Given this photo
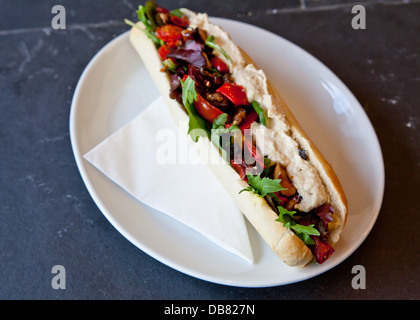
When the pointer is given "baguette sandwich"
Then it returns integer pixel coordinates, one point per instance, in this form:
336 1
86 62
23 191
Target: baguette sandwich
270 167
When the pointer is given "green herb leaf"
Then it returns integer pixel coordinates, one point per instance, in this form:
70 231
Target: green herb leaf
189 95
151 35
170 64
303 232
267 165
259 111
210 42
262 186
219 124
249 188
234 128
197 126
177 13
150 10
214 70
220 121
141 15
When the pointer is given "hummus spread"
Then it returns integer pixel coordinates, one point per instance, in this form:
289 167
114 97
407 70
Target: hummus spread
275 140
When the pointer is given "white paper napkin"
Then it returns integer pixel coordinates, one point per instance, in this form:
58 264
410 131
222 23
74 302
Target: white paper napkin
157 165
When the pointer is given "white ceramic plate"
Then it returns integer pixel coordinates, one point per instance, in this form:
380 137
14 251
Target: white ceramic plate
115 87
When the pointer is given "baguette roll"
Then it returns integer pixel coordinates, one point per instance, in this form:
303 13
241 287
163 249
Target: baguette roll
313 177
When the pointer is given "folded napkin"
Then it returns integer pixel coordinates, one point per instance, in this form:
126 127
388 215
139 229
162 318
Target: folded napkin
158 166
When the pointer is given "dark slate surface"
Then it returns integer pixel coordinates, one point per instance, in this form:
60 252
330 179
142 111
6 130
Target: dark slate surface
47 217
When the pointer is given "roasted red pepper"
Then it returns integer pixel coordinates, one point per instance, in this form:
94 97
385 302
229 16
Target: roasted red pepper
321 250
206 109
163 51
234 93
182 22
281 198
162 10
169 33
252 149
251 118
219 64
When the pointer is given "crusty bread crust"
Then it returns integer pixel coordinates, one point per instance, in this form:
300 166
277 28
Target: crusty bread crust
282 241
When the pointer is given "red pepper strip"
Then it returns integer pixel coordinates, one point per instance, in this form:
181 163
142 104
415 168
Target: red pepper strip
206 109
281 198
181 22
218 63
162 10
234 93
169 33
255 153
240 169
321 250
163 51
246 124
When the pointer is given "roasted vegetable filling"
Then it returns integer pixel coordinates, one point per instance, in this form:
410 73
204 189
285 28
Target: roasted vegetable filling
218 108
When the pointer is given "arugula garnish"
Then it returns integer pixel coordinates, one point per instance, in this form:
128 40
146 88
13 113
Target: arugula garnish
170 64
189 95
303 232
210 42
259 111
267 165
177 13
263 186
197 125
150 11
151 35
150 26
